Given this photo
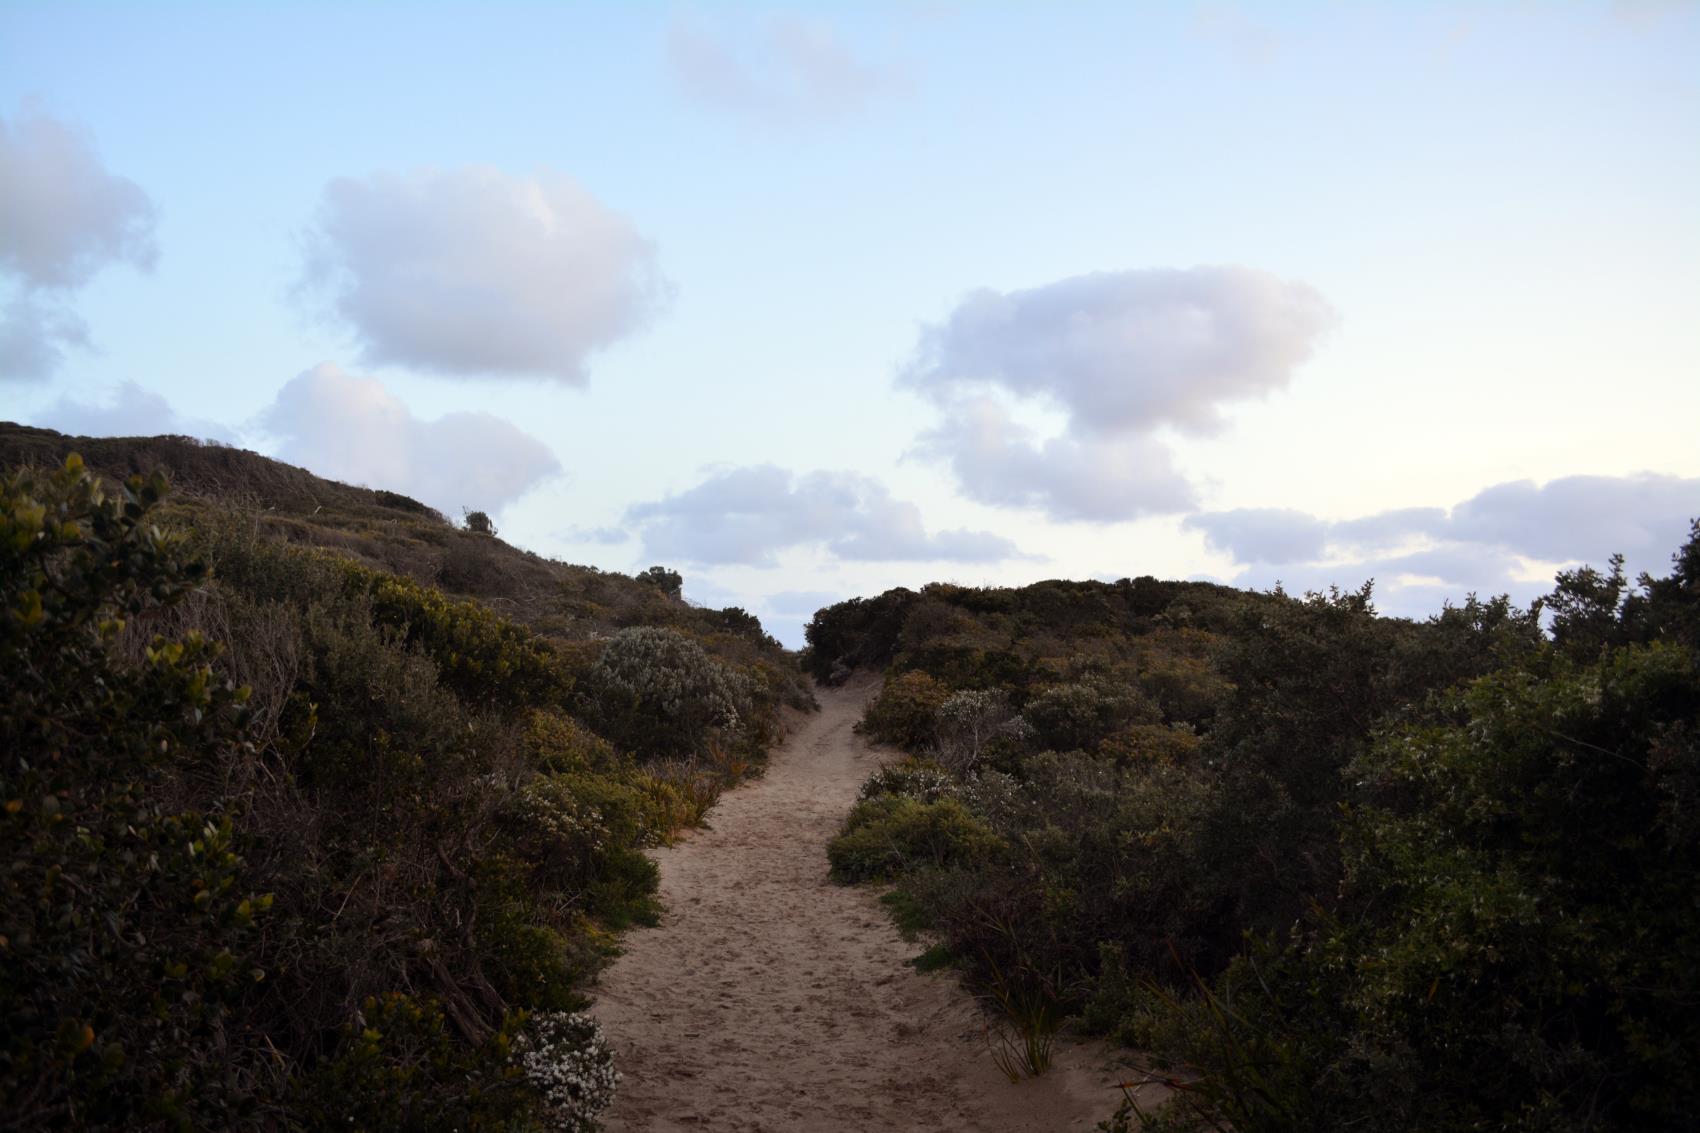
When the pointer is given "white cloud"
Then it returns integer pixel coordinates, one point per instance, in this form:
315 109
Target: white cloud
1128 351
351 428
748 515
1121 355
1262 535
63 218
127 411
34 335
790 69
997 461
1582 517
474 272
1484 543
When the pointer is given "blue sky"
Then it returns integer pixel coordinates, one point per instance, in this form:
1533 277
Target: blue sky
808 301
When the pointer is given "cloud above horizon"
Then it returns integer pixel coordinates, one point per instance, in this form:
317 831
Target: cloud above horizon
63 219
996 460
353 429
473 272
747 515
1120 355
1481 544
790 69
128 410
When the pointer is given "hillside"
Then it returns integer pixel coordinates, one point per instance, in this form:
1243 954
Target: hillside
1330 870
321 811
390 532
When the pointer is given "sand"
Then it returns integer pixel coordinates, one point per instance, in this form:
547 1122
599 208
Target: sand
772 999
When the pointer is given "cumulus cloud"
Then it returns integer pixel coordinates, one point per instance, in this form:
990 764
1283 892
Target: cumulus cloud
1580 517
474 272
1130 350
748 515
34 334
353 429
1482 543
1121 355
63 218
1565 520
128 410
1262 535
997 461
791 69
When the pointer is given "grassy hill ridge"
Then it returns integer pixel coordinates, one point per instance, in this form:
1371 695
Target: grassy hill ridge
319 811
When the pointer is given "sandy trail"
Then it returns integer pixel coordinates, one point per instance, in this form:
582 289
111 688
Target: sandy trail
771 999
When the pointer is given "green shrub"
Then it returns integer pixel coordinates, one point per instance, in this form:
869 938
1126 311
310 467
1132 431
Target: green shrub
1139 744
399 1067
1079 715
977 726
1514 945
555 741
656 693
126 933
905 712
914 778
888 834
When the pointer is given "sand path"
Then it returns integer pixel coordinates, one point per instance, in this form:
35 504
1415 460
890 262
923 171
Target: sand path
771 999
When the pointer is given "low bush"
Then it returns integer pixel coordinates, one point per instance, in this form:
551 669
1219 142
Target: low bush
906 712
1079 715
888 834
658 694
330 896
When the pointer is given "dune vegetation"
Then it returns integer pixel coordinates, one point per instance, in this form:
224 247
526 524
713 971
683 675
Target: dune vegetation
319 810
1332 871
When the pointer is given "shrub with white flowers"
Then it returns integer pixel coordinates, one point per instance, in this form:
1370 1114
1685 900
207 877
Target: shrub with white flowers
970 722
567 1059
918 779
656 692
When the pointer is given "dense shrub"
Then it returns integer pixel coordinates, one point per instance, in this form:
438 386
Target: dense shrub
916 778
978 725
127 933
1341 871
1080 715
330 900
862 632
657 693
906 711
400 1066
1516 946
567 1060
887 834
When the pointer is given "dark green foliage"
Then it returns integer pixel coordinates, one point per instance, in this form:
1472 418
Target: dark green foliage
483 657
401 1067
860 633
1080 715
888 834
322 900
669 582
657 693
127 934
906 711
479 523
250 499
1342 872
1517 942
